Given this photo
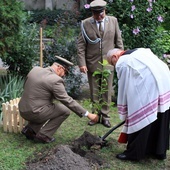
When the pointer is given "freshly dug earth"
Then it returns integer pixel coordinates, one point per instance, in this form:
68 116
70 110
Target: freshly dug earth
80 155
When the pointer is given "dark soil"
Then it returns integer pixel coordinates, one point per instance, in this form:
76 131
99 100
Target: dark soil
82 154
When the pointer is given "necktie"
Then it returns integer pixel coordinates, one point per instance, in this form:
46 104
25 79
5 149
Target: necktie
101 28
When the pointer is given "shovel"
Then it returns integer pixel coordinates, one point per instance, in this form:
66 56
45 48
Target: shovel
102 139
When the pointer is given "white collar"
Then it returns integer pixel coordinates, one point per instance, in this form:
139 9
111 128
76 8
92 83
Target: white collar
100 21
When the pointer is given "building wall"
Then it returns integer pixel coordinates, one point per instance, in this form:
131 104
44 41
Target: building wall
34 4
53 4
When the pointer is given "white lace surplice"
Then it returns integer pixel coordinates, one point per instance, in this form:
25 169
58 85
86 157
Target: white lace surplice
143 89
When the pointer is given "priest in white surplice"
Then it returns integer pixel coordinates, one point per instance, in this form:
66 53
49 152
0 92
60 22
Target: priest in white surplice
143 102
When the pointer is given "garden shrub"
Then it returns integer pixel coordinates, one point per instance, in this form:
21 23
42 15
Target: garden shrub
166 4
138 22
74 82
164 40
25 50
17 37
10 16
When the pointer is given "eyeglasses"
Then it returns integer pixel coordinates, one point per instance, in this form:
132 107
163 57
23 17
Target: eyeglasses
98 13
65 70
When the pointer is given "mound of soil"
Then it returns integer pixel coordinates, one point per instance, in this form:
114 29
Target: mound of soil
82 154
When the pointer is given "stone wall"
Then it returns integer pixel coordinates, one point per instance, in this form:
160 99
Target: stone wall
53 4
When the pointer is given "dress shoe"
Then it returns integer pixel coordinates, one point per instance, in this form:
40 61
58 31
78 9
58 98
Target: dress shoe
161 156
43 139
91 123
28 132
121 156
106 123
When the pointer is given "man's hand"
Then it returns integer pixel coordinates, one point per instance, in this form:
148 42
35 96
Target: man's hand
83 69
93 117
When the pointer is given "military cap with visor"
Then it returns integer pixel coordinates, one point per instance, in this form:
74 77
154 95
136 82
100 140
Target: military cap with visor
65 63
98 5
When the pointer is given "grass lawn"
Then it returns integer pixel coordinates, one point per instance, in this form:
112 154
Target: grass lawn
16 150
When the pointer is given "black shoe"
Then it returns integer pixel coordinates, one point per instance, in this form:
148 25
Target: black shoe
106 123
91 123
43 139
28 132
123 156
161 156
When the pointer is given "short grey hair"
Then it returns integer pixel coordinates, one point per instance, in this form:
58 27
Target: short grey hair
112 52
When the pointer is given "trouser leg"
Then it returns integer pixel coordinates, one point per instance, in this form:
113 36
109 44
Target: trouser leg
47 123
54 123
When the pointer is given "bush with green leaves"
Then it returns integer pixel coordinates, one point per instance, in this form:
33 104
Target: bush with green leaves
74 82
17 37
138 22
11 18
166 4
164 41
25 50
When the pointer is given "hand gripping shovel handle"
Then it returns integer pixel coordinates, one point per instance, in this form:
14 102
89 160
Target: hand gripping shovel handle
111 130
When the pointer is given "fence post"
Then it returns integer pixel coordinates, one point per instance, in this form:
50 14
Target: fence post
9 118
15 115
12 120
4 115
